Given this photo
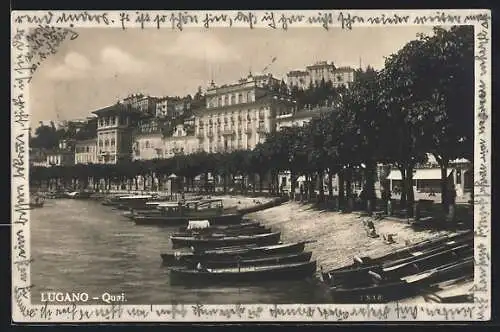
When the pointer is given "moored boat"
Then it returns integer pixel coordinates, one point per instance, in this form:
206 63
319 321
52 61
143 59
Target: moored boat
221 241
180 213
227 232
250 251
205 225
290 271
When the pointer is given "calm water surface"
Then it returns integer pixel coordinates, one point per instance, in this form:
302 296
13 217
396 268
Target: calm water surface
83 246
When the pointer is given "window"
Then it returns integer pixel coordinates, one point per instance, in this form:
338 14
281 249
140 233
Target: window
233 99
147 144
106 142
100 144
88 149
112 142
249 97
240 98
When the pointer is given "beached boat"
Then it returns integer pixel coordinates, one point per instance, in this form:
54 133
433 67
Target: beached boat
291 271
181 213
407 286
249 251
419 261
456 291
351 272
224 241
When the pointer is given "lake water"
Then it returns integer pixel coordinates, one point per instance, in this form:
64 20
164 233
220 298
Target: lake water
82 246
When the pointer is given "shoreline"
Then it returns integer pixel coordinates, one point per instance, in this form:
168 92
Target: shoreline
338 237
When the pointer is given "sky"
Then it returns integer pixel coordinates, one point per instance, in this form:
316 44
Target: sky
103 65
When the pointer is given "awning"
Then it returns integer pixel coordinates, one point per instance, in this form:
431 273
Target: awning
420 174
301 178
172 176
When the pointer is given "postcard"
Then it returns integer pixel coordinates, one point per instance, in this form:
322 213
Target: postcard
251 166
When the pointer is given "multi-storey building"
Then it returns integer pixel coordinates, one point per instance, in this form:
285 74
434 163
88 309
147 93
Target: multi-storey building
114 133
343 76
86 151
63 155
142 103
148 139
38 157
298 78
237 116
314 74
180 142
298 118
171 107
261 80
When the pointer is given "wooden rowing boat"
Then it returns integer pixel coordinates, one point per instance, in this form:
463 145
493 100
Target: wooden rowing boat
242 225
227 232
291 271
419 261
245 262
349 272
224 254
221 241
408 286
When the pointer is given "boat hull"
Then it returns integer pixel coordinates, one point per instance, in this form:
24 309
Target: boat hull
400 268
215 242
294 271
220 255
246 262
353 272
399 289
233 232
176 221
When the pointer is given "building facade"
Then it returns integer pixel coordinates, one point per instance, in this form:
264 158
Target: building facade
322 70
180 142
142 103
298 78
114 133
237 116
148 140
86 151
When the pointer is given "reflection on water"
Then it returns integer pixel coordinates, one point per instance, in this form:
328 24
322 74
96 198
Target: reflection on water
84 246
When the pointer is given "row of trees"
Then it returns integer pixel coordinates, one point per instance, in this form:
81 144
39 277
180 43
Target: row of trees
421 102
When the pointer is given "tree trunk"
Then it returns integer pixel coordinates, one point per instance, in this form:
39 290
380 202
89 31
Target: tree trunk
310 186
369 185
224 179
341 188
330 185
443 164
410 196
321 175
292 185
403 188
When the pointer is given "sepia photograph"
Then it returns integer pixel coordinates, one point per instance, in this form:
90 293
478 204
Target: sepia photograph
254 166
